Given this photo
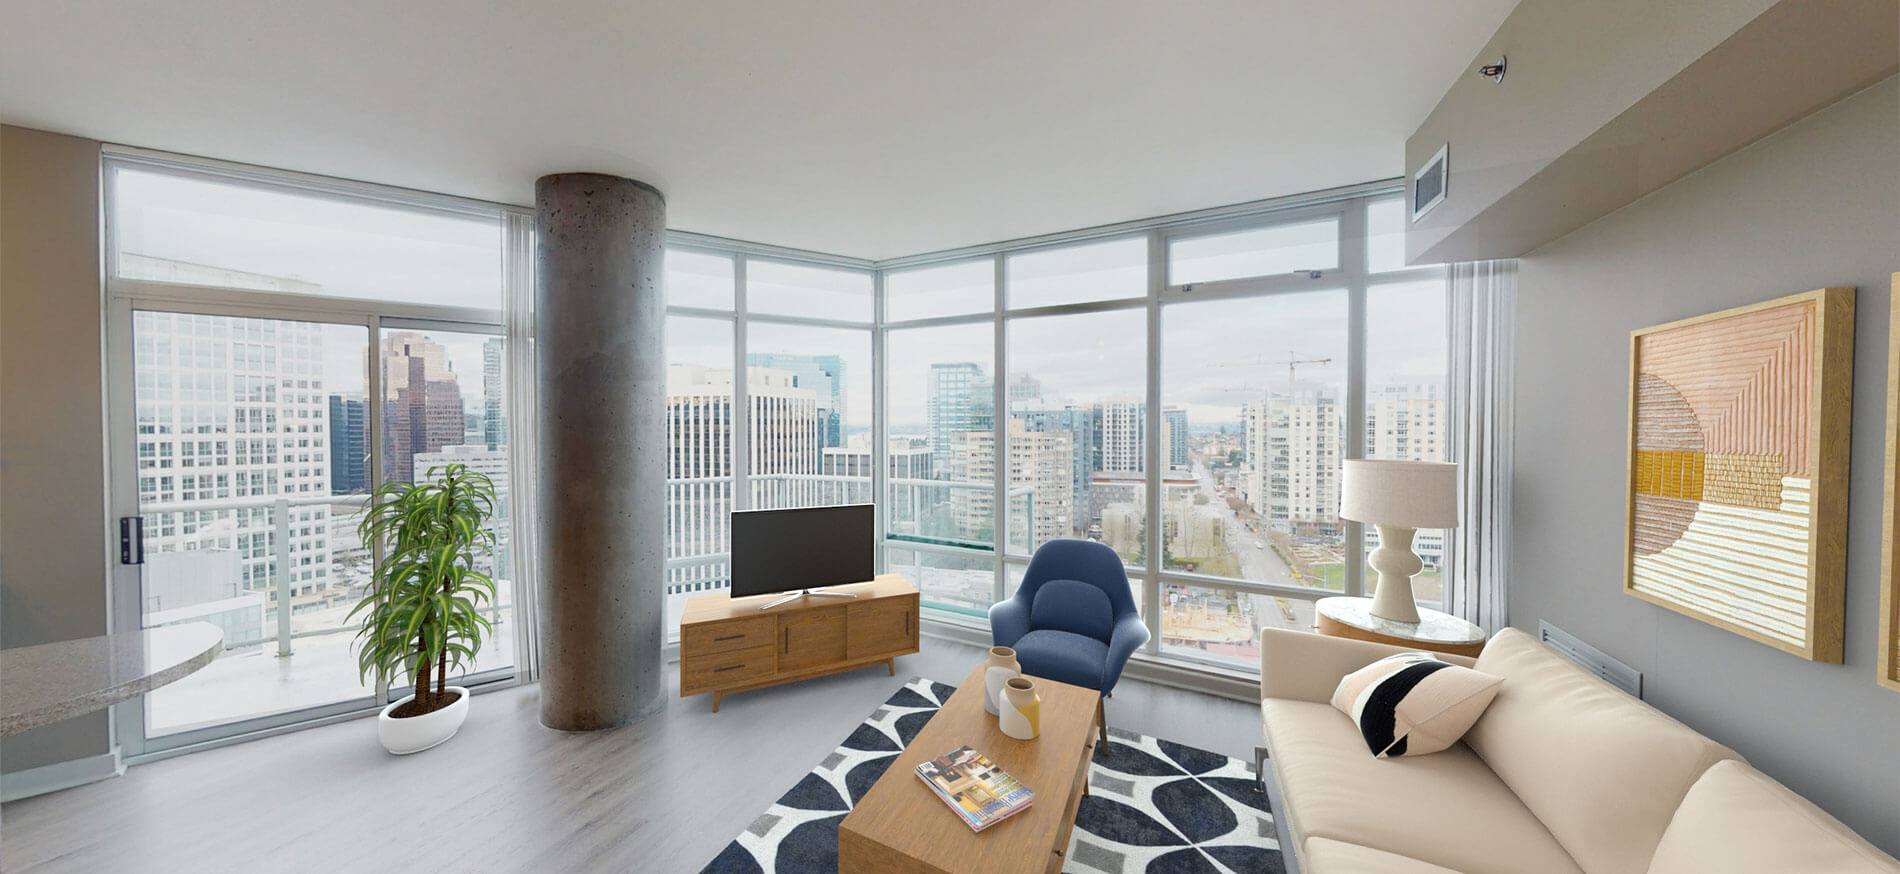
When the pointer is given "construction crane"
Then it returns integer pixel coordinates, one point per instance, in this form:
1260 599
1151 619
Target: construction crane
1293 362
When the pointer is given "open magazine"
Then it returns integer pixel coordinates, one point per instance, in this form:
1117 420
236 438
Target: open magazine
975 788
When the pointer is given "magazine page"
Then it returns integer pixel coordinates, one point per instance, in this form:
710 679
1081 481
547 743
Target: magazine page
974 787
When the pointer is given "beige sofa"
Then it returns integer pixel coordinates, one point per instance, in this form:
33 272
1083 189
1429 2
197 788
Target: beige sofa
1563 774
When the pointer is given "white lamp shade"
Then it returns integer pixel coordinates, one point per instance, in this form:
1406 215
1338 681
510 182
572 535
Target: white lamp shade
1409 494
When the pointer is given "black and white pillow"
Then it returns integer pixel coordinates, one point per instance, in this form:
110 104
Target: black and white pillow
1413 704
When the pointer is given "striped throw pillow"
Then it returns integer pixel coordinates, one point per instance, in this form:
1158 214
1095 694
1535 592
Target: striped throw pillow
1411 704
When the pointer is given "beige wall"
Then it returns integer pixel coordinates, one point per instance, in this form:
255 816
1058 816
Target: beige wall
53 527
1817 204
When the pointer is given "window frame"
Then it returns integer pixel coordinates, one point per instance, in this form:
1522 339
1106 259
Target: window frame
1347 206
125 296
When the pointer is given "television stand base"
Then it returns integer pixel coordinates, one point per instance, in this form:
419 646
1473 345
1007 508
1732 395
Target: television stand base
727 645
804 592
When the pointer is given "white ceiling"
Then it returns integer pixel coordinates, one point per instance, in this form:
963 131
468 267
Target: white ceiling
873 129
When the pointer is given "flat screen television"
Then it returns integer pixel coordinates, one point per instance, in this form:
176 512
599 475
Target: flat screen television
805 548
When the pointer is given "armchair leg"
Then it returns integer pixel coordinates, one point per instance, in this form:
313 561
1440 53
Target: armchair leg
1101 720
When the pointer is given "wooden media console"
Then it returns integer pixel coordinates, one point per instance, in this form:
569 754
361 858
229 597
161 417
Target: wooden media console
728 644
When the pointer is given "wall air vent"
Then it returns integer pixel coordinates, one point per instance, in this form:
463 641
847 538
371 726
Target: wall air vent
1428 184
1594 660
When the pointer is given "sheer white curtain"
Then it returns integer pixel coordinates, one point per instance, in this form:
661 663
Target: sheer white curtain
1483 323
517 264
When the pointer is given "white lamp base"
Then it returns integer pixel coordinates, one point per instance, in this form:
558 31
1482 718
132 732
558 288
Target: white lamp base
1396 564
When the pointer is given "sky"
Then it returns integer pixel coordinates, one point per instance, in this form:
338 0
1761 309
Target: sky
348 247
1216 355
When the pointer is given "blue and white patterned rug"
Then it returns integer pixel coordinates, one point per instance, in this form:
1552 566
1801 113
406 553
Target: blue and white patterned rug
1154 806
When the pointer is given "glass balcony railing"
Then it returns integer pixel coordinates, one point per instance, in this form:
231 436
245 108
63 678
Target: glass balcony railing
279 575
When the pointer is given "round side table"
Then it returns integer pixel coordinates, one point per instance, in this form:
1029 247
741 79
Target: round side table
1435 630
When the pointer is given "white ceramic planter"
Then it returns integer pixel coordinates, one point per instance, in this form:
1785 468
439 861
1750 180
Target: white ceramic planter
417 733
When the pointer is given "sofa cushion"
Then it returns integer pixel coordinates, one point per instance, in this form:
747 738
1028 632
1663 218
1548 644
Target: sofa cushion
1323 856
1075 607
1447 809
1735 820
1411 704
1602 770
1063 657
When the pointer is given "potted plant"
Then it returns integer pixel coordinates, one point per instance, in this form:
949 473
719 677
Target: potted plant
423 610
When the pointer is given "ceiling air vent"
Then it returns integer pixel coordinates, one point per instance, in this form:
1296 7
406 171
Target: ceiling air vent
1428 184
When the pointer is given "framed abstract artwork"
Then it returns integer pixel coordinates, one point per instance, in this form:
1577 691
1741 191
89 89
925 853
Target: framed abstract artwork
1888 661
1738 464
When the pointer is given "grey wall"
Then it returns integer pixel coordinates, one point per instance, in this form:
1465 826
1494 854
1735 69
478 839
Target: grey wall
53 532
1815 205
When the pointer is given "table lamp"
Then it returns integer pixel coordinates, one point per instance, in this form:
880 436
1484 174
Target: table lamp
1399 497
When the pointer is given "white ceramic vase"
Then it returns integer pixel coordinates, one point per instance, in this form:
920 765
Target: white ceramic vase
1001 667
1022 710
417 733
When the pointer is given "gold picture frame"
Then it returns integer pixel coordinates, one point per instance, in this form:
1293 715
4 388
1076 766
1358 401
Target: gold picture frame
1889 660
1736 508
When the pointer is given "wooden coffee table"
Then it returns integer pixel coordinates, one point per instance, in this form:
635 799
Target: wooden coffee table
901 826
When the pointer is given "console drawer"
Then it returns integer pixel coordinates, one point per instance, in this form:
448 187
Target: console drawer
712 637
701 672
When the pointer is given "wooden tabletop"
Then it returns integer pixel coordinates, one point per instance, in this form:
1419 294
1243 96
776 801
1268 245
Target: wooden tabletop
921 833
714 606
56 681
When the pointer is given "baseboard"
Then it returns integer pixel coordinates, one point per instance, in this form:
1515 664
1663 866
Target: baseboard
60 775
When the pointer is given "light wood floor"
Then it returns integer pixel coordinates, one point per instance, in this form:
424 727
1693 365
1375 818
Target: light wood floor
505 794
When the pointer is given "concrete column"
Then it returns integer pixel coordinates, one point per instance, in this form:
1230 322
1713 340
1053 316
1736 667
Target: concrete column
600 316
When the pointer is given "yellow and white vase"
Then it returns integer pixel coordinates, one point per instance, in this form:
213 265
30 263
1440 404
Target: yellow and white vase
997 671
1021 709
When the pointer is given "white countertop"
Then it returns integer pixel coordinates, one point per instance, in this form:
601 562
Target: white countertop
44 684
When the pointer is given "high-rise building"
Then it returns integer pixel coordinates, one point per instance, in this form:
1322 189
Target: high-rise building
1302 435
422 403
349 449
824 376
231 408
1024 390
783 455
494 422
1406 423
1081 423
1176 421
1123 427
906 459
950 404
1039 483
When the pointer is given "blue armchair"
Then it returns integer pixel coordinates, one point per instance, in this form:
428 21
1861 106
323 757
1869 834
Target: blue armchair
1073 620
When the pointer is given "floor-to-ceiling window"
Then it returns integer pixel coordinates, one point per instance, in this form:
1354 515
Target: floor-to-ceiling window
769 384
1182 390
279 346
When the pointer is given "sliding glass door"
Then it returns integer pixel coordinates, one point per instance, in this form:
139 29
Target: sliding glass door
252 469
278 347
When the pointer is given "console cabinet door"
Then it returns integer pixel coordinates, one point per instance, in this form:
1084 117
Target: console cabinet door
810 638
886 625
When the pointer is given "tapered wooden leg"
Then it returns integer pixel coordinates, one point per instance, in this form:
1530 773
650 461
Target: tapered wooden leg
892 664
1101 721
716 696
